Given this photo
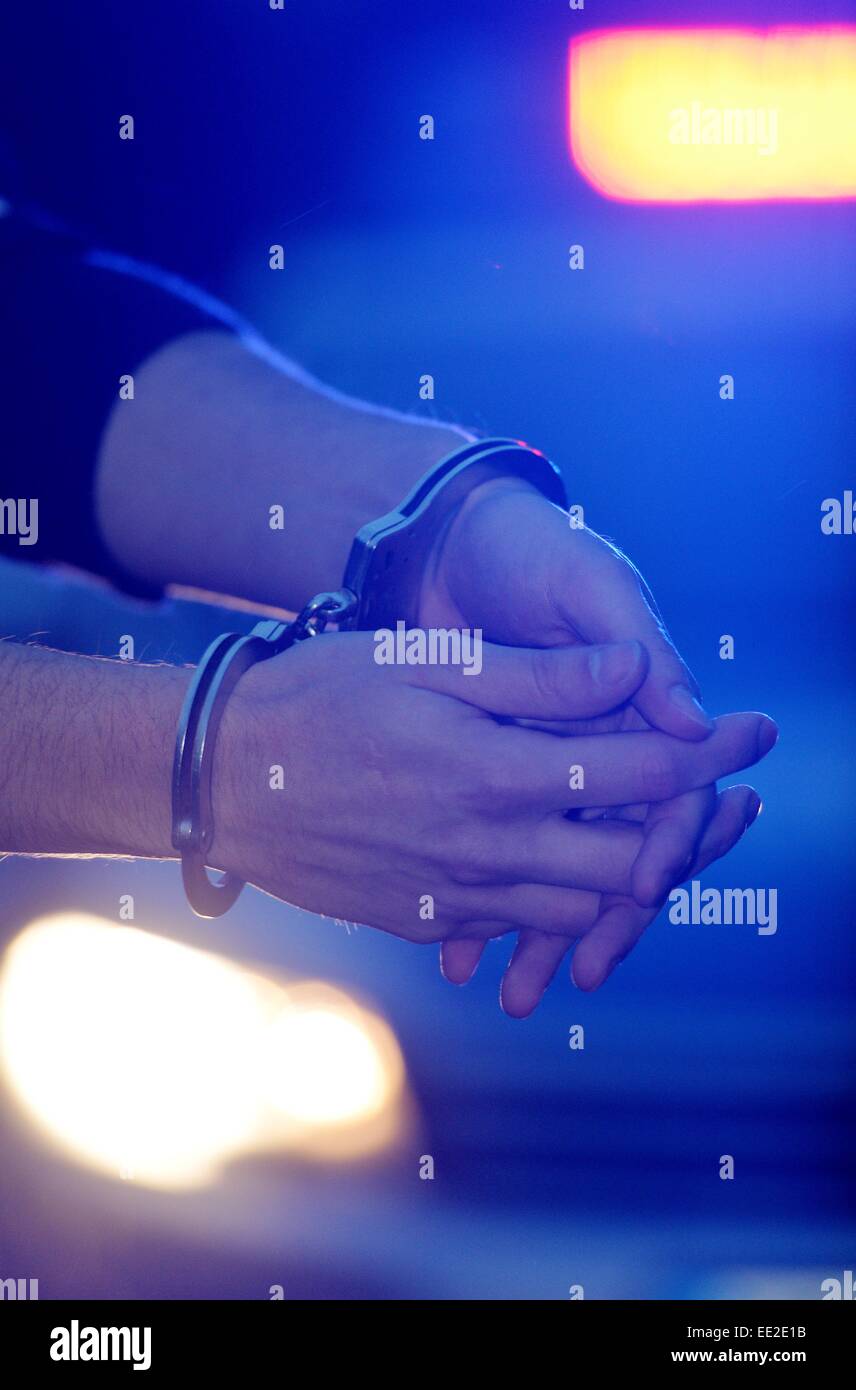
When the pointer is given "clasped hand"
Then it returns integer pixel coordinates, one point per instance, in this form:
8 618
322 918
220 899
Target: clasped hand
514 565
411 787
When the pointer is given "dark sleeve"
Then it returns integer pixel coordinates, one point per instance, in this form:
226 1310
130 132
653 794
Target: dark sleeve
75 320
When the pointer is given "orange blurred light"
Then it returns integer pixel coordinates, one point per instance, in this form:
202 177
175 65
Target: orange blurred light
715 115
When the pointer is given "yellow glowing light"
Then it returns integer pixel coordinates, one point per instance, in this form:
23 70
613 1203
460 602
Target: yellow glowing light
151 1060
685 115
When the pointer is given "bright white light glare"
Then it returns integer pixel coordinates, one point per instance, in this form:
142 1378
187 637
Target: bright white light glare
152 1060
327 1069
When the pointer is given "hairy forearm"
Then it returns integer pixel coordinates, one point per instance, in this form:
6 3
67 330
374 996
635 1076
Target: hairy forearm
86 750
217 435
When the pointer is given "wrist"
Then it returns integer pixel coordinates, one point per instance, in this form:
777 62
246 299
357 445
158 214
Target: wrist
458 554
254 730
87 755
124 760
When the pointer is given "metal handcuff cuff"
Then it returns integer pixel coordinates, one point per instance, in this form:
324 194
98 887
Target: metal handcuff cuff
380 587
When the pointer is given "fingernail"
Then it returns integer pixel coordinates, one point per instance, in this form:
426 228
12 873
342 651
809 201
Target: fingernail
683 699
754 810
612 665
768 735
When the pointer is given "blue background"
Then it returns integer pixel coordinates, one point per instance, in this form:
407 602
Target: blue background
554 1167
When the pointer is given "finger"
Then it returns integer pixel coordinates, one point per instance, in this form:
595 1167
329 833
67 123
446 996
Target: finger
459 958
640 812
537 956
673 830
567 912
738 808
606 599
626 720
597 857
625 768
623 922
539 953
609 942
619 928
600 724
542 682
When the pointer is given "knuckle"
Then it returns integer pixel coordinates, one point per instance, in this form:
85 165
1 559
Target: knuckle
495 784
469 789
468 853
484 779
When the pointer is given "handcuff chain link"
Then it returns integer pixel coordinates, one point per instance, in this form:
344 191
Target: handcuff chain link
327 607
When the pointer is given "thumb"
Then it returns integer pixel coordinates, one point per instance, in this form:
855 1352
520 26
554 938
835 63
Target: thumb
543 682
607 600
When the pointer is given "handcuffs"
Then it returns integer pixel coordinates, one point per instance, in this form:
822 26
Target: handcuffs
380 587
